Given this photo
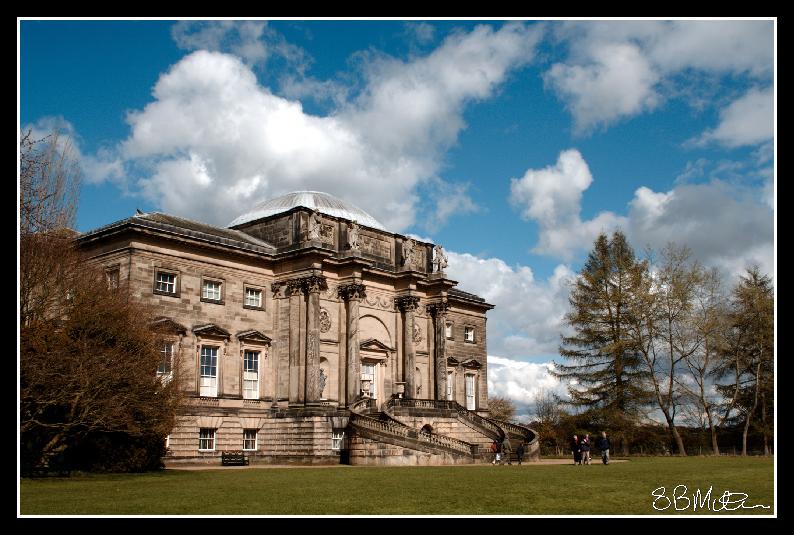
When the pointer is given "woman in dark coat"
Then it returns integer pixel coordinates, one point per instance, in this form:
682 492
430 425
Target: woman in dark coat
577 453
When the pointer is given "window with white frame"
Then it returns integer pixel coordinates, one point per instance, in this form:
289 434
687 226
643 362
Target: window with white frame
470 398
206 439
209 371
164 370
211 290
249 439
253 298
468 334
251 375
450 385
368 383
165 282
448 330
337 439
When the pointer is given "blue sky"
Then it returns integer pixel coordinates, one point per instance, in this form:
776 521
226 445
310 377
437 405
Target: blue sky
511 143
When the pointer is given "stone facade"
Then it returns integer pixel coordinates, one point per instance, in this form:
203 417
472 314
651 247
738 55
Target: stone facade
277 329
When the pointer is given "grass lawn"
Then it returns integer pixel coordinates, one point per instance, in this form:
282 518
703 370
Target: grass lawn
620 488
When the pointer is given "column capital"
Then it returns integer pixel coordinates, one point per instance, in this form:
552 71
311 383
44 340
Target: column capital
352 291
438 309
314 283
294 287
406 302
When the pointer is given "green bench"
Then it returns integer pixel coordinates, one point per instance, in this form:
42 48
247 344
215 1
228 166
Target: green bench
233 458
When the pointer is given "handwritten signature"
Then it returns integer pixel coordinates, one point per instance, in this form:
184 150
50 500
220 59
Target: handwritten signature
680 500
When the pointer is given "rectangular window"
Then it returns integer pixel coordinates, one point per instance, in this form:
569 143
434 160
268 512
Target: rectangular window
112 276
211 290
448 331
167 353
468 334
337 439
470 400
206 439
368 385
253 298
165 283
450 385
209 372
251 375
249 439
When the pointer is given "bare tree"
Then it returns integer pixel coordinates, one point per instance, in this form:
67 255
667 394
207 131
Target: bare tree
88 356
662 329
501 409
49 184
710 360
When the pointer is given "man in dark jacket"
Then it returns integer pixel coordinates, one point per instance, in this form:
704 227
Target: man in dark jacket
520 451
603 445
577 453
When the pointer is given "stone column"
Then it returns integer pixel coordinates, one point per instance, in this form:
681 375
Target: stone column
313 285
352 293
275 351
295 293
408 304
439 313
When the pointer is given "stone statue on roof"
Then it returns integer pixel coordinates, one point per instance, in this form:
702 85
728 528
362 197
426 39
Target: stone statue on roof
440 260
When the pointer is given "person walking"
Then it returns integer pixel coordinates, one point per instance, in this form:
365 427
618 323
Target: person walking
584 445
520 452
496 448
507 449
577 453
603 445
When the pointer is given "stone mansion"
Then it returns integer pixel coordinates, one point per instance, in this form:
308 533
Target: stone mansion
305 332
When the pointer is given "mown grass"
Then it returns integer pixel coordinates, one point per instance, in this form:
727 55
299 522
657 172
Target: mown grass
617 489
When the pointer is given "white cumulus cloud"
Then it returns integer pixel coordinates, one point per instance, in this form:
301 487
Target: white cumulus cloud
521 382
748 120
618 69
528 315
552 197
725 226
214 141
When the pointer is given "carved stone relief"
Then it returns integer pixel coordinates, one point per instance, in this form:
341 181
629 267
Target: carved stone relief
325 321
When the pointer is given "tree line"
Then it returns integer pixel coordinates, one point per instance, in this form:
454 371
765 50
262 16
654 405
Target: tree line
660 339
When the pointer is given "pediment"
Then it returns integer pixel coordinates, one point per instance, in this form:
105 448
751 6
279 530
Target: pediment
374 345
471 364
167 326
211 330
254 336
452 361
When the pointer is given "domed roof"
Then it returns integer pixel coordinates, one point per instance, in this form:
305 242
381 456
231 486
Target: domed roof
315 200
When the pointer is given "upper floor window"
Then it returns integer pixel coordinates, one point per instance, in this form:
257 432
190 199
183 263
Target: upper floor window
253 298
448 331
211 290
165 283
468 334
165 367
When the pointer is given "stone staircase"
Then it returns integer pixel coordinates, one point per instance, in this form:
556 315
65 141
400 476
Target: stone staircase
378 433
384 429
517 434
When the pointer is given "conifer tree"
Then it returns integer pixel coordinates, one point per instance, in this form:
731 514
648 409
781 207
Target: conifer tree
606 372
